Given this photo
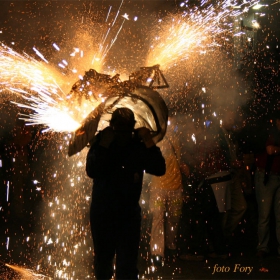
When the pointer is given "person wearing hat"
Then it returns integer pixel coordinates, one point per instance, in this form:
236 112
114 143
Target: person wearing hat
116 162
267 185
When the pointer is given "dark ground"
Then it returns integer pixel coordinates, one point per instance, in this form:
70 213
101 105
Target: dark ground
243 254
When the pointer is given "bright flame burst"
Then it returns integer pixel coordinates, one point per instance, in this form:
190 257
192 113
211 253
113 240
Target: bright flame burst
43 89
35 83
23 72
194 31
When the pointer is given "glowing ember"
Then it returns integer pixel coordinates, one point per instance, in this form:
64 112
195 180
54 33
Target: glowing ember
27 273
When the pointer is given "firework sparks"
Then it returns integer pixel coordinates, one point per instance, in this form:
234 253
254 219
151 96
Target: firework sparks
194 31
22 71
33 82
27 273
43 93
105 47
40 88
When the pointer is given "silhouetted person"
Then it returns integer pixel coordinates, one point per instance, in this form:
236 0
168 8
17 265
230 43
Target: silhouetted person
218 190
237 200
17 174
166 199
267 184
116 161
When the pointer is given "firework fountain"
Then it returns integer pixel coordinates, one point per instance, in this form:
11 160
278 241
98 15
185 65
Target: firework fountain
60 99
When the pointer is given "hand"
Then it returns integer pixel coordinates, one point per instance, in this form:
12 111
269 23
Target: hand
145 134
106 137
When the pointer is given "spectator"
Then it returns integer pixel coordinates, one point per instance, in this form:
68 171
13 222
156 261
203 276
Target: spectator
166 199
192 230
212 173
238 203
17 173
218 191
267 184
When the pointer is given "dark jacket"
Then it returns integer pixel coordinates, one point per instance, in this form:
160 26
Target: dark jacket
270 163
117 173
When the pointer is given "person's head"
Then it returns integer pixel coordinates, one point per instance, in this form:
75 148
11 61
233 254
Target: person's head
123 123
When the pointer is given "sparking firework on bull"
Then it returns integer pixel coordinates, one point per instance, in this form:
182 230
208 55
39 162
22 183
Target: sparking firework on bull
137 93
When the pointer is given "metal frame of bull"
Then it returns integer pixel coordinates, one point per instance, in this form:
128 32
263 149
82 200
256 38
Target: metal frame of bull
138 93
